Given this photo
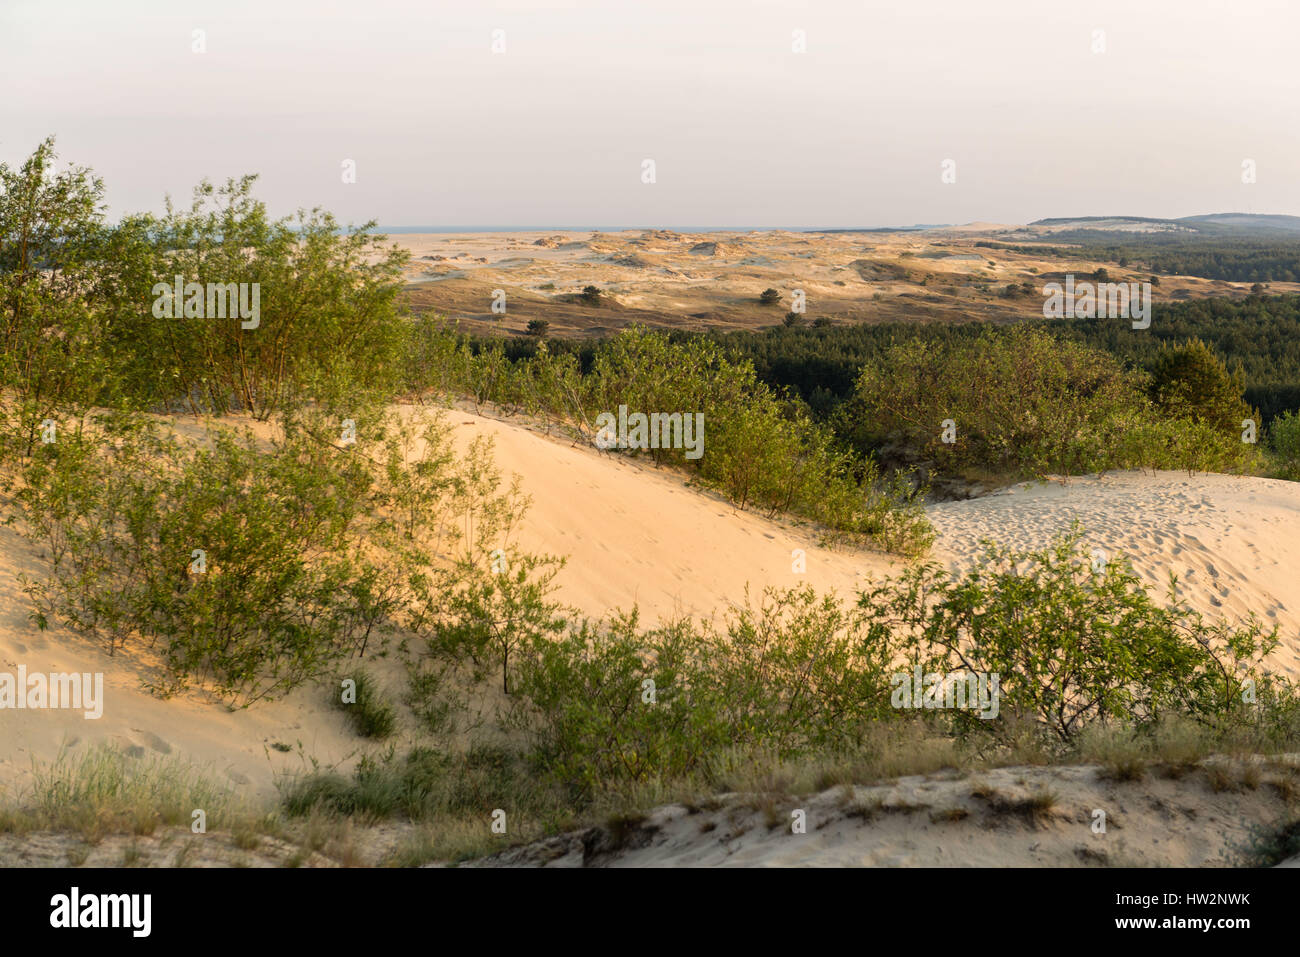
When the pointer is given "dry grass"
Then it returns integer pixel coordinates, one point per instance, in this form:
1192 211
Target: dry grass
97 791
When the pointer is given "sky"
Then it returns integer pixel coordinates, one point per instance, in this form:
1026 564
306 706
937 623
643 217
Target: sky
1044 107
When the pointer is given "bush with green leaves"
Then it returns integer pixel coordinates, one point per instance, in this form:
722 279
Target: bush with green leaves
1189 381
1074 641
328 320
52 243
482 598
790 674
762 449
83 322
254 565
366 707
1284 443
238 566
1024 403
583 702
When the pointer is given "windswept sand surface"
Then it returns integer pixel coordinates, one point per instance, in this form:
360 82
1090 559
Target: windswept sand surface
1006 817
1233 541
637 535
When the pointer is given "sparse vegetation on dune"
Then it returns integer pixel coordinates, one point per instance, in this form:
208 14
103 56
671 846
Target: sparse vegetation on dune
101 790
796 691
760 447
330 531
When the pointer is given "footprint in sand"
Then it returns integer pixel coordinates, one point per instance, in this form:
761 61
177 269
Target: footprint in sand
155 742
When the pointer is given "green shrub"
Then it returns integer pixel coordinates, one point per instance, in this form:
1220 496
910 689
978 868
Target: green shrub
1189 381
761 449
83 322
52 237
1284 442
328 320
1072 644
370 713
1026 404
240 562
792 674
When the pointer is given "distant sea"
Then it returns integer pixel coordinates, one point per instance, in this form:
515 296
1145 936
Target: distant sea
619 229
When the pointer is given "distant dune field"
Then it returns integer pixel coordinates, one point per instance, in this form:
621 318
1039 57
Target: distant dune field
712 280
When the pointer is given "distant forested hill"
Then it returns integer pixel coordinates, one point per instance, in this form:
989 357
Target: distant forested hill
1259 257
1262 333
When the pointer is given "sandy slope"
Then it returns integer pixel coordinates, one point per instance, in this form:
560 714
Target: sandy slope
1233 542
637 535
988 819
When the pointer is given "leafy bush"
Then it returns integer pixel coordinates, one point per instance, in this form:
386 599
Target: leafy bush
586 708
371 715
1189 381
51 239
788 675
1284 440
1073 644
761 449
1026 404
84 323
328 318
242 563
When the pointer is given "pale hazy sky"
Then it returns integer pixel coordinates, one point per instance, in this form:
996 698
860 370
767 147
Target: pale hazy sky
742 130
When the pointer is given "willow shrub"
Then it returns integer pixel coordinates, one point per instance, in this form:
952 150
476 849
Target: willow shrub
1074 640
788 674
240 567
1074 646
1026 403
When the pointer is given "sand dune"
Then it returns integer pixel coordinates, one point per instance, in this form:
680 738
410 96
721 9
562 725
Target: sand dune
1233 541
638 535
996 818
674 278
